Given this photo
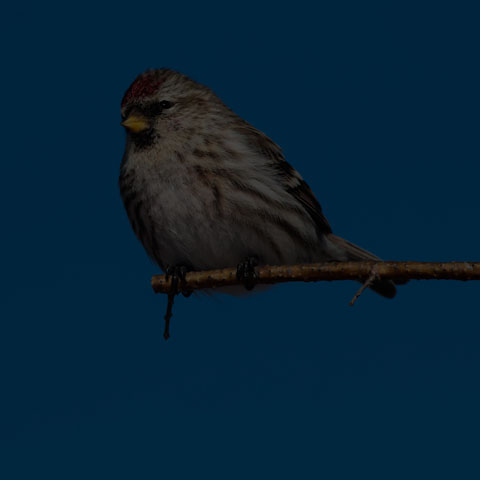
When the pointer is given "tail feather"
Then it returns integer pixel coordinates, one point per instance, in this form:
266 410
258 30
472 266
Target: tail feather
346 251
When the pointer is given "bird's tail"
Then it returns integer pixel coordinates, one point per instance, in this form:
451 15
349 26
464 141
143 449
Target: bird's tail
344 250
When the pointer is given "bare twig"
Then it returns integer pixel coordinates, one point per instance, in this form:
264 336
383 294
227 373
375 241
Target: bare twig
168 315
373 276
326 272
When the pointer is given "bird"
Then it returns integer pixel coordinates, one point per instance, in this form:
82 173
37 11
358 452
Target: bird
204 189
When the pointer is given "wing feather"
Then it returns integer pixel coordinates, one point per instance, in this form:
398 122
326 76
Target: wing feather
291 180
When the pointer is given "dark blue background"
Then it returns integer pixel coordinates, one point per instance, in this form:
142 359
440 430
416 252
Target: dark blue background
378 107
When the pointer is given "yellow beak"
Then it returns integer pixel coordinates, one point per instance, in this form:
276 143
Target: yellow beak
136 123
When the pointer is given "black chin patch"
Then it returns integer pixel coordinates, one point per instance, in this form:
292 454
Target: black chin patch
144 139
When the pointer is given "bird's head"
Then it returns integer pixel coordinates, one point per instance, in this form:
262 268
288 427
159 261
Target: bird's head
164 104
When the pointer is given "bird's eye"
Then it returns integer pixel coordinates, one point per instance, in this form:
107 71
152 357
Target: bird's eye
155 109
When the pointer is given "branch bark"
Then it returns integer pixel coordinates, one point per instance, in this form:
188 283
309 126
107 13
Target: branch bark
327 272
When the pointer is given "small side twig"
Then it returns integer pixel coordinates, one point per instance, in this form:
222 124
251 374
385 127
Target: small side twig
168 315
175 275
373 276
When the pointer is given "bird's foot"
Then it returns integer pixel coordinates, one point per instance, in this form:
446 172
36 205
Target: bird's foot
178 285
246 272
178 274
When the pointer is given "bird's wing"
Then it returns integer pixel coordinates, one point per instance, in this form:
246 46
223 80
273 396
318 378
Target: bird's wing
291 180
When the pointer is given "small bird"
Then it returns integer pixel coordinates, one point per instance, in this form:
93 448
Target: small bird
204 189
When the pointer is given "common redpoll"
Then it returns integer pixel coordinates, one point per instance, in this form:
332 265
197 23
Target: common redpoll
204 189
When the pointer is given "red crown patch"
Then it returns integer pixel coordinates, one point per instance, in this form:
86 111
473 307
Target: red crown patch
144 86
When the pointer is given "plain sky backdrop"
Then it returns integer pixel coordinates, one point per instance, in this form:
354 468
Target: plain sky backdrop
377 105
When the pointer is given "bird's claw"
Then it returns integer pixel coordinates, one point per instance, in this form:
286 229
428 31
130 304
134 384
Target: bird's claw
246 272
178 272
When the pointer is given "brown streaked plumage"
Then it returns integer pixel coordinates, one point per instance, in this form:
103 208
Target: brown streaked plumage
205 189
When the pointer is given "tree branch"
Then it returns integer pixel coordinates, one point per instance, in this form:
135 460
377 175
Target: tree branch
314 272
